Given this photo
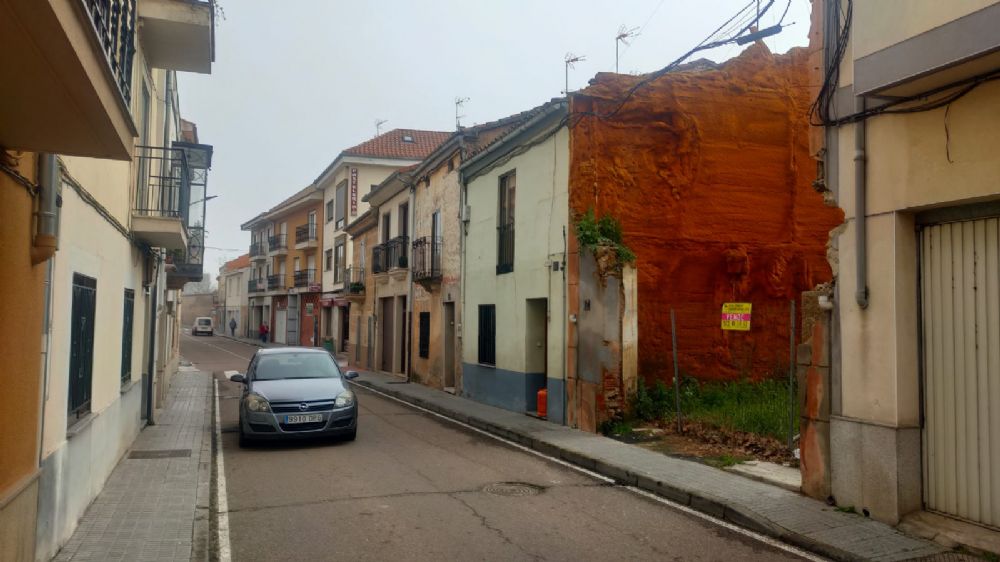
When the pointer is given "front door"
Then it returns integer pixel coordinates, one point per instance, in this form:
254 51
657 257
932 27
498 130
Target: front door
293 320
960 321
386 348
280 325
345 327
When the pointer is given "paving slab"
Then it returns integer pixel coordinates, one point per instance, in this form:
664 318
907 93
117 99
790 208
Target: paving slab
154 505
764 508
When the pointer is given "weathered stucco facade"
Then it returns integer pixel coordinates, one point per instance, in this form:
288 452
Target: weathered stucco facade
708 170
915 377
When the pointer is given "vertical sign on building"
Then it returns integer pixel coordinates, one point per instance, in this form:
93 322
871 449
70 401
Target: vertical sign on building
354 192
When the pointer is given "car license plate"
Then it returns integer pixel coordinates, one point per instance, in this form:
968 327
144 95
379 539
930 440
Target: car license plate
304 418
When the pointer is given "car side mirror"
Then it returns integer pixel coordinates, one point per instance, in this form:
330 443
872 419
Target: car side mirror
238 378
351 375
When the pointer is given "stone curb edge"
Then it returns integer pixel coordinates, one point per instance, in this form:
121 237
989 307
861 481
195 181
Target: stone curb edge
201 543
695 499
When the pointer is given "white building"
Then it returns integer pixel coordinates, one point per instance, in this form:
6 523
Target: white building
514 252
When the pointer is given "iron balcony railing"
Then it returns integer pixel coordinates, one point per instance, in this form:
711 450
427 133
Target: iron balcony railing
505 248
305 233
258 249
256 285
354 280
426 258
304 277
275 282
163 186
277 242
114 23
391 255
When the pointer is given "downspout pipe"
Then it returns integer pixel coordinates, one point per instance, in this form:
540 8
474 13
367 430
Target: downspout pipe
44 245
409 279
860 208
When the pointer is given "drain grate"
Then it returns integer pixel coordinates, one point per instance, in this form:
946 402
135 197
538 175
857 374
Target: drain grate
513 489
950 557
160 454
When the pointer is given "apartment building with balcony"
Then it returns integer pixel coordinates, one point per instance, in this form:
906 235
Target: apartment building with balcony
912 113
285 280
94 81
360 289
345 182
390 205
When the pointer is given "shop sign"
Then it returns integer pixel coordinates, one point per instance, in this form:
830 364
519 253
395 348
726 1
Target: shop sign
354 192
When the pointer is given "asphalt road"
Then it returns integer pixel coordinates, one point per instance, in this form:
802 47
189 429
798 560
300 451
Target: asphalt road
416 487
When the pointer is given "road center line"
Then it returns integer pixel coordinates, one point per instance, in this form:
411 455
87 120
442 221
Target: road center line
638 491
222 500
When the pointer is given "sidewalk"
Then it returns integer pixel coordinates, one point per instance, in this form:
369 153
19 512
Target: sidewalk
155 504
766 509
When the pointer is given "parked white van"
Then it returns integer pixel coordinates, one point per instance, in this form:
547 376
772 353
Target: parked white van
202 325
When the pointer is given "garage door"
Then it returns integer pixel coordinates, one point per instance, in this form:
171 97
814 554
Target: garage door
281 326
960 302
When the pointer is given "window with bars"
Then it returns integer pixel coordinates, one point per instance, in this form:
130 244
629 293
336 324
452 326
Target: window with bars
81 355
128 323
487 334
425 335
505 223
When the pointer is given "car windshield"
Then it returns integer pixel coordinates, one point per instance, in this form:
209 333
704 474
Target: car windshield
204 322
292 365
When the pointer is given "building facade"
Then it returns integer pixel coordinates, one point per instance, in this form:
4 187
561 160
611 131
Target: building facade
363 233
910 108
103 75
345 183
515 229
234 297
285 277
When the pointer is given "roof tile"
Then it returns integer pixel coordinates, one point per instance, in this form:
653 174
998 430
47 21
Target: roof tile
407 144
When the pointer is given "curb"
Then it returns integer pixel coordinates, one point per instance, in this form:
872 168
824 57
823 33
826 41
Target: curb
695 499
201 540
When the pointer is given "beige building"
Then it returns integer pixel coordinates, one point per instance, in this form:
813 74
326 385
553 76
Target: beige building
912 109
234 285
361 290
91 132
345 183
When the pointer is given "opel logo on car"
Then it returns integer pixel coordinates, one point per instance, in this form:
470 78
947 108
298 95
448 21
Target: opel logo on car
303 407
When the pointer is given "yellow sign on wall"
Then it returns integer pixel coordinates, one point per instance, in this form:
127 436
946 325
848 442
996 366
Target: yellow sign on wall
736 316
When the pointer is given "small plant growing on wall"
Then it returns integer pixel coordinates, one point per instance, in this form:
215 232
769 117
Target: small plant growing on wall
603 237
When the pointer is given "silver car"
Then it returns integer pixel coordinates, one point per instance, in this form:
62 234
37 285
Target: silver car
295 392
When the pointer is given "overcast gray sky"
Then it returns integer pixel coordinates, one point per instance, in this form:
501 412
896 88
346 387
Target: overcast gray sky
296 81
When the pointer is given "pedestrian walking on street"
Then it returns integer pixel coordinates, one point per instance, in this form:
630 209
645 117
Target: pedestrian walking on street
263 332
232 327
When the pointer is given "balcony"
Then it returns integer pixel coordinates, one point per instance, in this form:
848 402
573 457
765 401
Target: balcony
305 237
276 282
256 285
354 283
277 245
427 260
68 87
390 256
178 34
258 252
163 198
305 278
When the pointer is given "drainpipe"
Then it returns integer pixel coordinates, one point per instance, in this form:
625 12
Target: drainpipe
565 321
409 284
151 361
44 245
43 396
860 210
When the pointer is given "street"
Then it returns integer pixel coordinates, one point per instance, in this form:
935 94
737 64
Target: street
414 486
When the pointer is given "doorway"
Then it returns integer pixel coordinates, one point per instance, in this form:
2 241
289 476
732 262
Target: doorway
386 347
345 327
403 325
280 324
449 346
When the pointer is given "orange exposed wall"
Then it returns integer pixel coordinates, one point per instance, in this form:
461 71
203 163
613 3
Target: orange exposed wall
709 172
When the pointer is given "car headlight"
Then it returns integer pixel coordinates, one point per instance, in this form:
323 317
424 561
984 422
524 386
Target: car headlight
345 399
257 403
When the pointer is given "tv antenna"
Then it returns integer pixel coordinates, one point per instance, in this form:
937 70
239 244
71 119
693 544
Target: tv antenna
570 61
624 36
378 126
459 102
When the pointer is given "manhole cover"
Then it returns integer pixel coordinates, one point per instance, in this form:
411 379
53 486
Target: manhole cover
513 489
160 454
